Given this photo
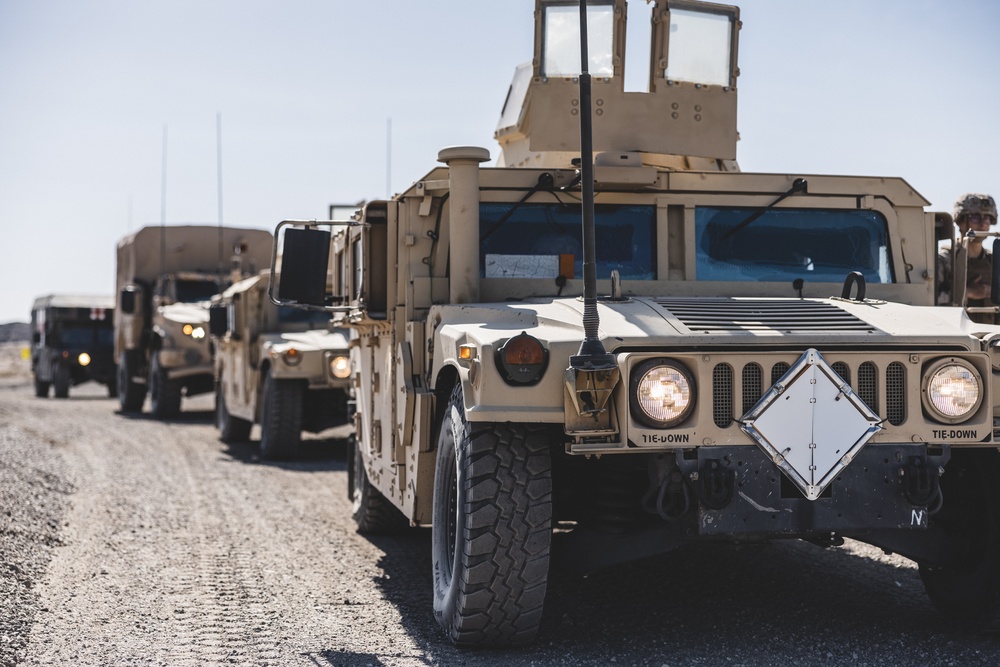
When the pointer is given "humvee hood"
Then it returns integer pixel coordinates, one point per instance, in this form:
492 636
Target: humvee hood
186 313
665 320
316 339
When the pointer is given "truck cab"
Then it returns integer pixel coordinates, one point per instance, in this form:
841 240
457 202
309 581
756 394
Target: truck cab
72 342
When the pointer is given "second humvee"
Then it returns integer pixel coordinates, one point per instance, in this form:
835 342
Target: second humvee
280 367
767 360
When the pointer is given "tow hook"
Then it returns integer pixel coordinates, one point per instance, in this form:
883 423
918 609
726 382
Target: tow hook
715 485
920 481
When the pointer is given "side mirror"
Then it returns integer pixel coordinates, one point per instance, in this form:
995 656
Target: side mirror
128 298
303 281
944 227
218 321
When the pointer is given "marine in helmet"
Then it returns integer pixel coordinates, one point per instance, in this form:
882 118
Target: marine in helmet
976 212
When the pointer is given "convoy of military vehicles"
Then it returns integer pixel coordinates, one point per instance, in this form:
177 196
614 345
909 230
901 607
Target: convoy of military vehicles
711 355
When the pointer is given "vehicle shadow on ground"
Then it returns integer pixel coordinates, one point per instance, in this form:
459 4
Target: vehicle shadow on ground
185 417
317 453
773 603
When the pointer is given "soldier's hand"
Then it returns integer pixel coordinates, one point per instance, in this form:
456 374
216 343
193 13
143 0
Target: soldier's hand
977 289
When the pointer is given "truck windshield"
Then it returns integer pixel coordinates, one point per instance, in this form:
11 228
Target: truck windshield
85 337
545 241
192 291
785 244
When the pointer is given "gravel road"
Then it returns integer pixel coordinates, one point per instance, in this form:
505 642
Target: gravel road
128 541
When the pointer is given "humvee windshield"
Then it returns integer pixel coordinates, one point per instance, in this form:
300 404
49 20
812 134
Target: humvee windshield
544 241
192 291
784 244
292 315
87 337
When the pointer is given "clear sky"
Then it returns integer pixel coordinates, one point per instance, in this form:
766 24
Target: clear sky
306 88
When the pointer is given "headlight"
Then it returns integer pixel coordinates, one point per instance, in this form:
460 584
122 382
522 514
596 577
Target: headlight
193 331
83 359
292 357
952 390
340 367
662 393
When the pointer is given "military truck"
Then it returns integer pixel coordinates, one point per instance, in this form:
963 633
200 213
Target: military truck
276 366
72 342
166 276
706 354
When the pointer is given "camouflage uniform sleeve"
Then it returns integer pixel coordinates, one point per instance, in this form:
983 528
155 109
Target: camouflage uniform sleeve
942 266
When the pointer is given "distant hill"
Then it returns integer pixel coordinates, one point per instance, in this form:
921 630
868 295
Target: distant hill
15 331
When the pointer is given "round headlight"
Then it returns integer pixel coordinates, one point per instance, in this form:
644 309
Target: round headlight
952 390
292 357
199 332
662 393
340 367
83 359
187 329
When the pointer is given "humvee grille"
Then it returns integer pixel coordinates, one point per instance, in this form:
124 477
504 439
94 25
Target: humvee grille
725 403
762 316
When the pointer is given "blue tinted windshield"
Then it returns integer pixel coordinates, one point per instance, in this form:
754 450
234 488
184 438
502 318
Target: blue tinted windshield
84 337
546 241
289 315
785 244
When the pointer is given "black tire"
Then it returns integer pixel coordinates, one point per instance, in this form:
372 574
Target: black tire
281 418
41 388
60 380
131 394
164 393
371 510
231 429
113 385
492 531
968 588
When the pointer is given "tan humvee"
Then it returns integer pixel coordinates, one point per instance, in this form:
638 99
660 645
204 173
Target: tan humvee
165 277
768 361
276 366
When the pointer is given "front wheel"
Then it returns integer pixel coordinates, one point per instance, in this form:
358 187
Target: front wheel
281 418
60 380
231 429
41 388
131 394
967 587
164 393
491 533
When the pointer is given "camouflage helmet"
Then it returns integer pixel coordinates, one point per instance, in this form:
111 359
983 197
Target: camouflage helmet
974 202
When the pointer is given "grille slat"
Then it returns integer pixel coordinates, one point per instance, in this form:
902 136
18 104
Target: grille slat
756 315
751 375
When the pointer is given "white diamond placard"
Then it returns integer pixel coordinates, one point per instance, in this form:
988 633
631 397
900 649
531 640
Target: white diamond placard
811 423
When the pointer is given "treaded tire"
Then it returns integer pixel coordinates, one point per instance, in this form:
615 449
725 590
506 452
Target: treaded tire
113 385
492 532
281 418
231 429
60 380
372 511
41 388
164 393
130 394
968 590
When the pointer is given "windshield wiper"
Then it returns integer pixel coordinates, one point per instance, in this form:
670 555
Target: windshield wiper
798 185
545 182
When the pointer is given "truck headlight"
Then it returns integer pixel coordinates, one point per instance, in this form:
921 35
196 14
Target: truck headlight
522 360
340 367
662 393
83 359
952 390
292 357
193 331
